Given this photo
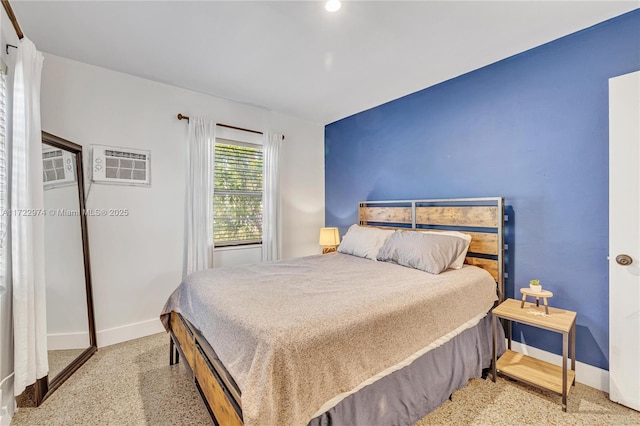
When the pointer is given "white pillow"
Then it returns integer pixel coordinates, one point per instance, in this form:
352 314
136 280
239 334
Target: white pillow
457 264
364 241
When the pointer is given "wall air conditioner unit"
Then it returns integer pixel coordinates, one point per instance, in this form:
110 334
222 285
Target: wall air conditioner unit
123 166
58 168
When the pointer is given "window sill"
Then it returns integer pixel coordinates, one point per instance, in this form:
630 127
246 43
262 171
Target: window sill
240 247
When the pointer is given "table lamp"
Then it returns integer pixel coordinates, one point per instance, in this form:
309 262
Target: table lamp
329 239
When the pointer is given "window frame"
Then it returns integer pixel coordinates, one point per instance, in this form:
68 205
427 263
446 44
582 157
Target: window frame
243 139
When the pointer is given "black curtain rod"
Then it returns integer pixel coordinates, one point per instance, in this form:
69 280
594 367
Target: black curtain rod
12 18
184 117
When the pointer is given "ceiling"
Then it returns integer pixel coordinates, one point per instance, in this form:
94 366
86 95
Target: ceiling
293 56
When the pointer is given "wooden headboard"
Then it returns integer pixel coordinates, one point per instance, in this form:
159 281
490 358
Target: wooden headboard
482 218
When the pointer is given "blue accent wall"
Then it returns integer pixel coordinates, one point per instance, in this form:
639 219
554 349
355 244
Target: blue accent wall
532 128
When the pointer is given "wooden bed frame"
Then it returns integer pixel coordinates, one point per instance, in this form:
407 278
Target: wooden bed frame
482 218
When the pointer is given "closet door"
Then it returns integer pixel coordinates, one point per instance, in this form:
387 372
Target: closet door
624 240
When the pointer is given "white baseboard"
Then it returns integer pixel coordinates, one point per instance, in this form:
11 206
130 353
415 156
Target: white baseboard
62 341
114 335
585 373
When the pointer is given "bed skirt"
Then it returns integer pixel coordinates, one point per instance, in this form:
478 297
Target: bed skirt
409 394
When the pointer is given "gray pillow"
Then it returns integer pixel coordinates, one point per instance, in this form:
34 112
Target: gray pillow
431 253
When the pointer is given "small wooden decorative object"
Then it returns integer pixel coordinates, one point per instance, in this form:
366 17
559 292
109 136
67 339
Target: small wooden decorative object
542 294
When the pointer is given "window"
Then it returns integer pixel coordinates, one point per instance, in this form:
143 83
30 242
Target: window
237 199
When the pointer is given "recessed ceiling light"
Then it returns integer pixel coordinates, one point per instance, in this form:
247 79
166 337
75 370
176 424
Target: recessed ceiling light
333 5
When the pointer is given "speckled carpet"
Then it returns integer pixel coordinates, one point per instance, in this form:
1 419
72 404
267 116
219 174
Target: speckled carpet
132 384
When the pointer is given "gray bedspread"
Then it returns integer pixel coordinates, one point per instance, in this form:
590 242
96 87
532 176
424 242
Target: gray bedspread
295 333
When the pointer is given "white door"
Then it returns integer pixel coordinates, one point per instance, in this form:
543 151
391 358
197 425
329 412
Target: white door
624 240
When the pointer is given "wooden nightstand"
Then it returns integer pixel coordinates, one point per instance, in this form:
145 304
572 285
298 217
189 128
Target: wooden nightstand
530 370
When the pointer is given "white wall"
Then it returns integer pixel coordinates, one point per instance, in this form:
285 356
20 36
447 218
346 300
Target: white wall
136 261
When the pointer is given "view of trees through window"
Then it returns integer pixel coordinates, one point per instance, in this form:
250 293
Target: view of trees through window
237 200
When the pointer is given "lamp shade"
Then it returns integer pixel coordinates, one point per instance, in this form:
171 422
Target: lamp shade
329 237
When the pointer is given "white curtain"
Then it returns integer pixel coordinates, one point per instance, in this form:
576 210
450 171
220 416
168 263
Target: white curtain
271 219
27 222
198 250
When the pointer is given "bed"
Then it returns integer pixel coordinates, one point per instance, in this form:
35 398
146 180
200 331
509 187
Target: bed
342 339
